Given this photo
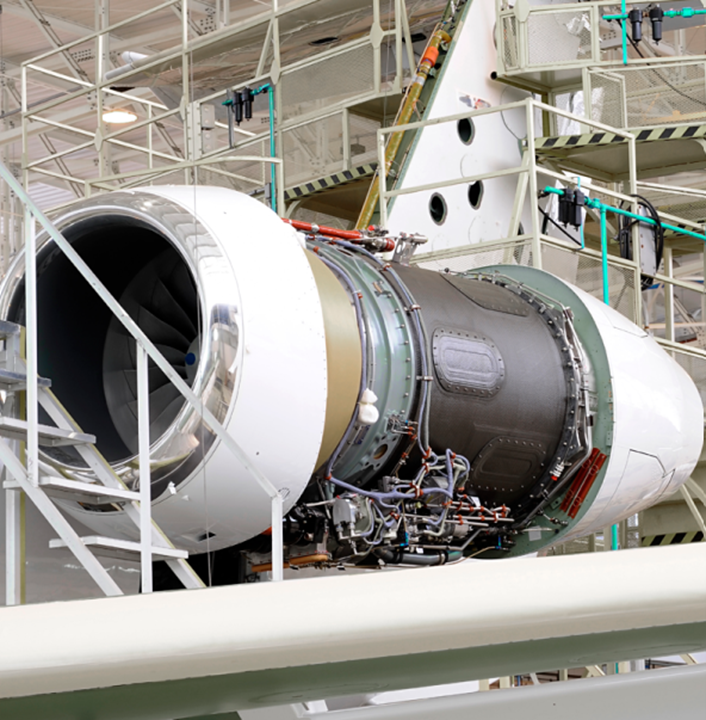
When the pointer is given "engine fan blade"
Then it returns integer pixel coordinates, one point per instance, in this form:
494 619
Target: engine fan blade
163 301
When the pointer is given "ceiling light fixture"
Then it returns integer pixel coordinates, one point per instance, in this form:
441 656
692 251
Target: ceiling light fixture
118 116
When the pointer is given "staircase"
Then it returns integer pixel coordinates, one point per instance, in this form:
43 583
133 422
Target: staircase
47 490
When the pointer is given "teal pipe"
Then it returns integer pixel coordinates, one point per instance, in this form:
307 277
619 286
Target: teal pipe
684 12
606 300
597 205
273 150
267 87
604 254
624 27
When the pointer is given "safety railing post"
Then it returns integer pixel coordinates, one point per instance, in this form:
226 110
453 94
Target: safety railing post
143 434
32 449
382 178
277 538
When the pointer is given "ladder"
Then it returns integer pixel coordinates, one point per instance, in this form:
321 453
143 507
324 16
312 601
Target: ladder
107 487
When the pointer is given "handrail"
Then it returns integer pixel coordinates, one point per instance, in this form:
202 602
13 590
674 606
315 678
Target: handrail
149 347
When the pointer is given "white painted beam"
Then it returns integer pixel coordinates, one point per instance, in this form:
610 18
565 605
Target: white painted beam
306 626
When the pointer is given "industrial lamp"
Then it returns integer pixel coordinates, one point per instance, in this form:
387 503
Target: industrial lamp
118 116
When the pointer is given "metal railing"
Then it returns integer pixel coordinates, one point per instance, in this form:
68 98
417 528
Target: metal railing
29 478
532 38
344 74
661 93
599 271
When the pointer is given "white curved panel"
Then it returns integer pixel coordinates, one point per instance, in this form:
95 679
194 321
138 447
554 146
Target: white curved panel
658 422
277 409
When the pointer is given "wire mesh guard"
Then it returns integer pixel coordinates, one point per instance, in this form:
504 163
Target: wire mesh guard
332 80
558 37
659 95
313 150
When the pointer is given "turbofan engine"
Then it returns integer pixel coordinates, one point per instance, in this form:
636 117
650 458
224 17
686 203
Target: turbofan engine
406 416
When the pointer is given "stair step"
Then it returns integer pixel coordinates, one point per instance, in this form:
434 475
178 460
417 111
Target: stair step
49 436
82 492
14 381
8 328
123 549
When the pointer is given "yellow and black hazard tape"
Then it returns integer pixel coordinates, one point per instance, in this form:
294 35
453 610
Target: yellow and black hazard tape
568 142
672 539
682 226
326 183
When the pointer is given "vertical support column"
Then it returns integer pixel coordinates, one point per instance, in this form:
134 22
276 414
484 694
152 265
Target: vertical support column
25 124
607 532
101 22
277 104
15 503
276 205
346 138
150 156
534 193
15 500
398 46
186 91
32 452
277 539
382 179
279 175
595 41
604 256
375 34
519 202
408 39
587 94
225 13
143 434
636 255
668 294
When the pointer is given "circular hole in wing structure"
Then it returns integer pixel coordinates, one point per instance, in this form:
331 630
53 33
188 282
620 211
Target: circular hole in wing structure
466 130
437 209
475 194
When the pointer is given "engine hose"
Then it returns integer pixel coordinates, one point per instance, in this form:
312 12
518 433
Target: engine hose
397 557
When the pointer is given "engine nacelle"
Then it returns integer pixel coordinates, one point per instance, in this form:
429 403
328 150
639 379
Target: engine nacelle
406 416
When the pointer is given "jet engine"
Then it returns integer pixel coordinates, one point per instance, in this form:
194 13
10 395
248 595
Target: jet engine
406 416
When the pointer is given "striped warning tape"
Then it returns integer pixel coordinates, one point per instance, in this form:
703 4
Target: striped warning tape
325 183
676 132
672 539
